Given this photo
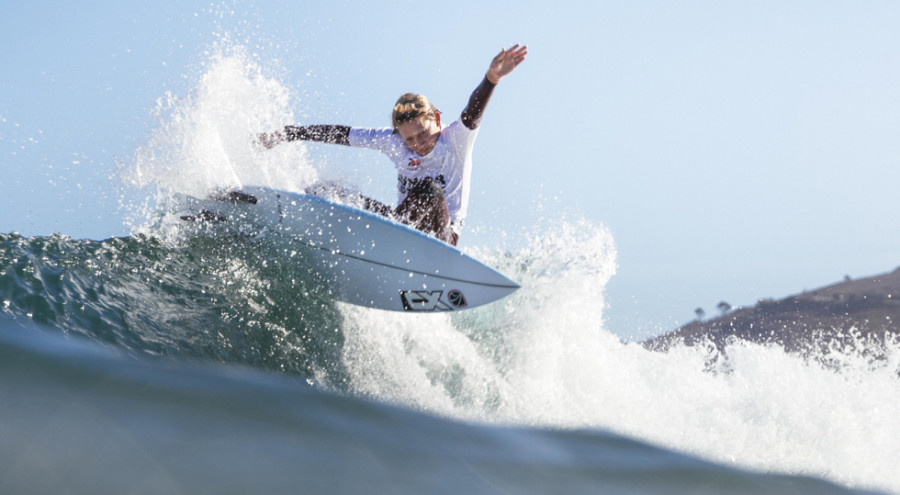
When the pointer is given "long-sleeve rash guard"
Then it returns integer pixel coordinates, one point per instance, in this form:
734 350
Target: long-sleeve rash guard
449 163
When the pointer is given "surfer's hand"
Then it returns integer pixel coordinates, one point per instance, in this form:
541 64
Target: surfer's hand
269 140
505 62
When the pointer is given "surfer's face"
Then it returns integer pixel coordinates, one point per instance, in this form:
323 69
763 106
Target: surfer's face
421 134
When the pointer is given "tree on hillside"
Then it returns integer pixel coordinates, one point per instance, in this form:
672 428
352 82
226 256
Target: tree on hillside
700 314
724 307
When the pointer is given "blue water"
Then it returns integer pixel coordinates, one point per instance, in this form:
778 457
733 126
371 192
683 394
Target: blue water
80 418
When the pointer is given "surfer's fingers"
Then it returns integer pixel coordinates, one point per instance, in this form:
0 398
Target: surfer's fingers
518 52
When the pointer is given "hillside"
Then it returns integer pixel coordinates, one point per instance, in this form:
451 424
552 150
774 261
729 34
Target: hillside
868 307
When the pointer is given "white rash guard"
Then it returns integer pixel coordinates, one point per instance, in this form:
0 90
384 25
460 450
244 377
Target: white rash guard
449 163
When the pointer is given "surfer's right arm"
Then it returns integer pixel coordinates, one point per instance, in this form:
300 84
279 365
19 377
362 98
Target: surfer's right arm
501 66
333 134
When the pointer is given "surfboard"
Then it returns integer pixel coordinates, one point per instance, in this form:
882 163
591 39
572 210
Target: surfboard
368 260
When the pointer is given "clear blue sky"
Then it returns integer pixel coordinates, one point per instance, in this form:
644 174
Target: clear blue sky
735 150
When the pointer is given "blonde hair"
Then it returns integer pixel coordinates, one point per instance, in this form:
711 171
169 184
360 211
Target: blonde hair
411 107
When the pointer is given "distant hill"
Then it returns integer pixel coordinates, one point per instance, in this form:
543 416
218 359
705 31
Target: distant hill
868 307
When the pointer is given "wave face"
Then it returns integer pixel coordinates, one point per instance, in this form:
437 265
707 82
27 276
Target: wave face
227 301
215 341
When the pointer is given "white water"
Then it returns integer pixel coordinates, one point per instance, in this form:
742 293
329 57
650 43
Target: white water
543 356
207 140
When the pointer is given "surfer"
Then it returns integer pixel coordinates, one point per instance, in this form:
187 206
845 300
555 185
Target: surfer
433 159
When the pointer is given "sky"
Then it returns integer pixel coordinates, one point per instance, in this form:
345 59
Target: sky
734 150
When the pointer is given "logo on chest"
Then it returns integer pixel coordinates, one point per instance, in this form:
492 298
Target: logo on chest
414 162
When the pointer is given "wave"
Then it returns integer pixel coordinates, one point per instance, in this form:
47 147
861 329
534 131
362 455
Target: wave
78 419
540 358
235 302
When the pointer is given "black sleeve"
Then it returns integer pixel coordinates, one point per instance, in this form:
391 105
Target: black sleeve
471 116
334 134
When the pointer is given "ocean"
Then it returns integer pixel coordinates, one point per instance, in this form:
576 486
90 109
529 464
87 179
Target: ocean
176 361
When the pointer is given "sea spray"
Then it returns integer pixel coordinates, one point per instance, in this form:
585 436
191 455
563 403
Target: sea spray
465 365
208 140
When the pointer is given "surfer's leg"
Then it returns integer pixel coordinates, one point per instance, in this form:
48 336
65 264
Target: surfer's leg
425 209
335 191
376 206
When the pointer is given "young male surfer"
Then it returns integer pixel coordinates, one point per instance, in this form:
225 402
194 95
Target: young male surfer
433 160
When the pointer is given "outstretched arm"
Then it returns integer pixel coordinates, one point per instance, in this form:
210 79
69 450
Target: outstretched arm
334 134
504 63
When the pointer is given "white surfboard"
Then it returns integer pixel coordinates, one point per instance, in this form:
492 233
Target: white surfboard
369 260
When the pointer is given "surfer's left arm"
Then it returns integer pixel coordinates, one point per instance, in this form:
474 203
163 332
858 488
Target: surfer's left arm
501 66
333 134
